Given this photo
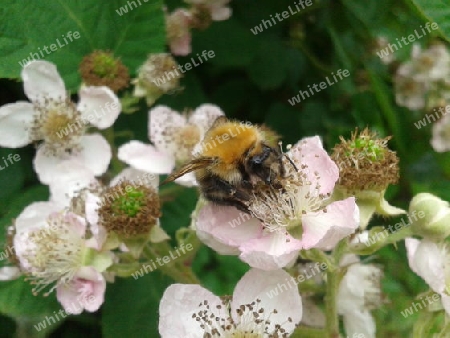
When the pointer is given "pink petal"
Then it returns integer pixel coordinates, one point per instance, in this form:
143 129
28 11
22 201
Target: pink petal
162 123
182 45
95 155
137 176
272 251
41 79
323 230
204 116
85 292
320 167
145 157
179 303
276 290
179 22
15 123
99 105
224 229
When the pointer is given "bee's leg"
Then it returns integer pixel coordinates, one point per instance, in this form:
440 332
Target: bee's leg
280 158
222 192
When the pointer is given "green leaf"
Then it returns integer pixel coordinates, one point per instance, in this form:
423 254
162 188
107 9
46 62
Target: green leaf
238 53
40 29
131 306
17 300
435 11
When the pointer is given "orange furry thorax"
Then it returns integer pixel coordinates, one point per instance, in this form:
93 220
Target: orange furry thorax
230 141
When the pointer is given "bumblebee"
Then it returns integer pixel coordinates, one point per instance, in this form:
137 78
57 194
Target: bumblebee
232 160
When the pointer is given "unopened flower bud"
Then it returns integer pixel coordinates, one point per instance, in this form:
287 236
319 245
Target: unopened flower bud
433 216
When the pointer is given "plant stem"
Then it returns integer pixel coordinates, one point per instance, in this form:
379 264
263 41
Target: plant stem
176 268
331 303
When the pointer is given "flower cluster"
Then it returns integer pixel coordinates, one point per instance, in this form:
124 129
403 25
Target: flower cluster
101 223
422 82
199 16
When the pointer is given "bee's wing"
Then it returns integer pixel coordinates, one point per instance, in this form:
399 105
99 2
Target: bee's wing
195 164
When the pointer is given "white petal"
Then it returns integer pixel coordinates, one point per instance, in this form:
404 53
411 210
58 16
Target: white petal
359 324
446 303
221 13
145 157
35 215
204 116
99 105
138 177
178 304
428 262
187 180
41 79
267 286
95 154
72 177
9 273
15 122
162 122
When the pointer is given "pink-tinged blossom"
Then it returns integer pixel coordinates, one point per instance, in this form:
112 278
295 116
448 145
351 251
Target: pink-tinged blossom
429 260
178 26
254 310
441 134
86 291
174 136
55 252
298 217
54 120
218 9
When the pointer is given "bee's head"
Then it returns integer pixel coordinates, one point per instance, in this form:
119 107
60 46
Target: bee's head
265 163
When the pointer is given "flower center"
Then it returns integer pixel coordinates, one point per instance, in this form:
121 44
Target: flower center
104 65
253 321
186 138
282 209
54 253
59 125
241 334
129 209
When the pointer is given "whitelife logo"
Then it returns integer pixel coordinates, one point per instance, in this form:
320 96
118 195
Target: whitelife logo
341 74
285 14
53 47
411 38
